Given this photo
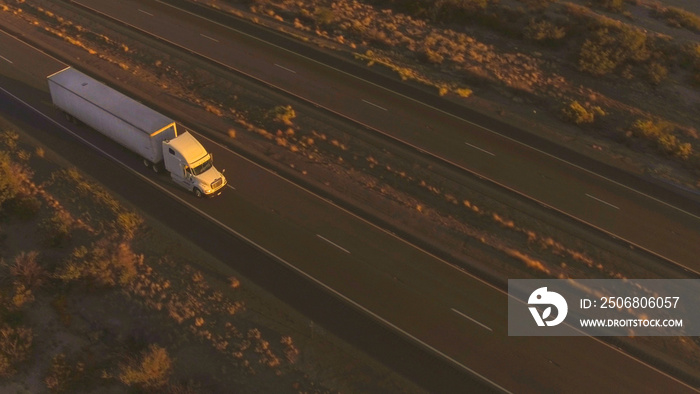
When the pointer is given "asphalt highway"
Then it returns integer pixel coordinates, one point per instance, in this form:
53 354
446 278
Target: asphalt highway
457 321
646 219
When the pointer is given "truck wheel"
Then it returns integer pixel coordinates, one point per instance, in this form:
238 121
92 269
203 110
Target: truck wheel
69 117
198 193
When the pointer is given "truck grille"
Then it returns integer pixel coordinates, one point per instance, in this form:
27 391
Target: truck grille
216 183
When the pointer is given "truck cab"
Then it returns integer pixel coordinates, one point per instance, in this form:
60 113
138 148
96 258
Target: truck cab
191 166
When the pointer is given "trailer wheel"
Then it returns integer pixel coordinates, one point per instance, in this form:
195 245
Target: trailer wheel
146 163
69 117
197 193
155 168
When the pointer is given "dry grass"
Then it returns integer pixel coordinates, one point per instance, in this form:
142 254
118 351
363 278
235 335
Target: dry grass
151 371
27 270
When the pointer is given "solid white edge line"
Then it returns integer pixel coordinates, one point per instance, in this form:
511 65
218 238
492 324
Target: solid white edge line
483 150
436 109
6 59
636 245
262 249
463 271
147 13
456 268
604 202
474 320
333 243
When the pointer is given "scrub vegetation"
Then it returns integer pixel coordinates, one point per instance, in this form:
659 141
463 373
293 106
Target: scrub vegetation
94 298
438 44
628 58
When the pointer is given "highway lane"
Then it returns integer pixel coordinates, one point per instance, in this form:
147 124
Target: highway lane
443 309
614 208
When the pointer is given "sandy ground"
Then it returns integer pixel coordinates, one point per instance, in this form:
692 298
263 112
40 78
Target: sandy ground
493 231
245 339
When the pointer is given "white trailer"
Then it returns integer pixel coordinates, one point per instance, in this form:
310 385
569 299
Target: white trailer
137 127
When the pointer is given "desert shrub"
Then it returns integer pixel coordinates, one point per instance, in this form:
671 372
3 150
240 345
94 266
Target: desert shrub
150 371
610 47
538 5
125 263
90 265
455 11
679 17
283 114
27 271
544 30
10 182
128 223
15 347
652 129
24 206
22 296
692 61
684 150
60 305
9 139
103 264
577 113
324 16
441 11
660 134
107 204
430 56
611 5
656 73
57 228
63 375
463 92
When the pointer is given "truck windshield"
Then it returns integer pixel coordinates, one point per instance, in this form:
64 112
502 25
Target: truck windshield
202 167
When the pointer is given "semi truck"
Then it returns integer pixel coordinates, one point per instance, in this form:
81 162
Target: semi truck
142 130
